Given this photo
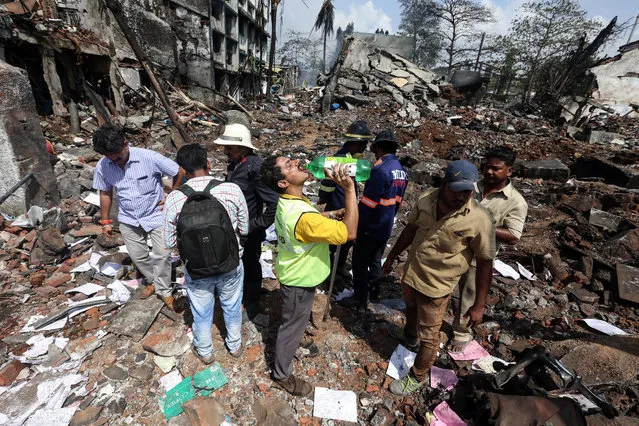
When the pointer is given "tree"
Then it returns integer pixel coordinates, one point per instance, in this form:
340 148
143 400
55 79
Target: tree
419 23
324 21
459 21
271 55
350 29
546 31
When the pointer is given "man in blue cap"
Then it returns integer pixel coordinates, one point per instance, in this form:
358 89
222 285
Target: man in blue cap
446 229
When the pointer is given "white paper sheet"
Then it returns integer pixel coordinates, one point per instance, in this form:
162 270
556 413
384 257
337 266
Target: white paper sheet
119 292
58 417
169 381
123 249
400 362
94 259
334 404
110 269
486 364
28 327
92 198
505 270
604 327
87 289
39 346
525 272
86 266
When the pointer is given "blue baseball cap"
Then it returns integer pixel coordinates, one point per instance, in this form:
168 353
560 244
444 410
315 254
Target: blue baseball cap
461 175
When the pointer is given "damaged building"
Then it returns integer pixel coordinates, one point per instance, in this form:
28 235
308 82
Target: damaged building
70 47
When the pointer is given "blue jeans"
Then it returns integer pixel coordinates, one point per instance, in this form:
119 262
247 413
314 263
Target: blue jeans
202 300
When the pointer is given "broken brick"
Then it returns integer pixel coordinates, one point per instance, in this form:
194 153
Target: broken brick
10 371
58 279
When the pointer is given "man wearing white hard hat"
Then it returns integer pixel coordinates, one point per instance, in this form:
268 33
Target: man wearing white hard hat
244 170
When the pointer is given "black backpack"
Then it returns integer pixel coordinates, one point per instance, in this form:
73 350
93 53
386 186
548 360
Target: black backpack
205 235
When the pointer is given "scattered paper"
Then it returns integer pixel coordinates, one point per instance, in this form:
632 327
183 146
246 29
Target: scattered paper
111 269
92 198
505 270
525 272
442 379
266 259
344 294
123 249
604 327
400 362
87 289
271 235
132 284
119 292
446 416
472 352
86 266
28 327
57 417
171 380
39 346
334 404
487 364
94 259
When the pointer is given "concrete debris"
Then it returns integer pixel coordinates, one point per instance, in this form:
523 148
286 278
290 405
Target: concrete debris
580 251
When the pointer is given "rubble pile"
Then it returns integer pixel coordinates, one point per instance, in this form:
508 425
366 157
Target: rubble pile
78 344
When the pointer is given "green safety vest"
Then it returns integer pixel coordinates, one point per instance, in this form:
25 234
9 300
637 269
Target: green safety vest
298 264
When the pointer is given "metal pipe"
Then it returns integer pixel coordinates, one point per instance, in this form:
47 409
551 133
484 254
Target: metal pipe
633 30
15 187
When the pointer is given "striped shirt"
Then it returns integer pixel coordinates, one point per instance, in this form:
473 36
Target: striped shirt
229 194
138 187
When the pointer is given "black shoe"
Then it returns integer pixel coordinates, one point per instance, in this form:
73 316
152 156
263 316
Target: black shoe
397 332
294 386
353 302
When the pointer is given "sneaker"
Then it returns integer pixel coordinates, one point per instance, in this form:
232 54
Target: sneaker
309 344
147 291
406 386
398 333
294 386
205 359
238 353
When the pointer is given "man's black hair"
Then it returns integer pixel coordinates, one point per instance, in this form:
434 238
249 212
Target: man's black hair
108 140
387 147
192 157
272 174
503 153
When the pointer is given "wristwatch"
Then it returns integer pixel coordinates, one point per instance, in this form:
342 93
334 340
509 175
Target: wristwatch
330 215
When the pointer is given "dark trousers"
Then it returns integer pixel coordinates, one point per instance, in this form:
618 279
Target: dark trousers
343 255
252 272
297 303
367 266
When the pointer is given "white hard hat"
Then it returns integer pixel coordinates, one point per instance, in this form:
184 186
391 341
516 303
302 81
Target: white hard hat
236 134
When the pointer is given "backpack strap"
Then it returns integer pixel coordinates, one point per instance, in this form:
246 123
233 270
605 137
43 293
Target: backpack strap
189 192
212 184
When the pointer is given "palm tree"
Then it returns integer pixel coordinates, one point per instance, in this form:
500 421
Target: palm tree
324 20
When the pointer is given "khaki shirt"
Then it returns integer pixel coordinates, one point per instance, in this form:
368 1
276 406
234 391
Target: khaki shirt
442 250
508 207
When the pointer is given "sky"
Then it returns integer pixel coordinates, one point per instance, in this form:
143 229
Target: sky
368 15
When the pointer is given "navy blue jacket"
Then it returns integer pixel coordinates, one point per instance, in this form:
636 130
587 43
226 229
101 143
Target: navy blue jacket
246 174
383 195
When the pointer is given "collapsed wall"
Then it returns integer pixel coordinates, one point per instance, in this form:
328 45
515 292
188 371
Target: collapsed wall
618 82
22 146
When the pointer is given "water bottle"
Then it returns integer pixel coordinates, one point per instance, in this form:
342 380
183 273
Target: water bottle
359 169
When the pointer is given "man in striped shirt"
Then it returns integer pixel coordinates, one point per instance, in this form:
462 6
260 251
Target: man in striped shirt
229 286
136 174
